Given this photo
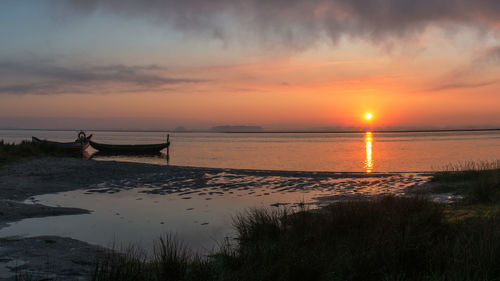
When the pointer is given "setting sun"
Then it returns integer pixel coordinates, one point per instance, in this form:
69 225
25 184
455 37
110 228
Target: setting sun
297 118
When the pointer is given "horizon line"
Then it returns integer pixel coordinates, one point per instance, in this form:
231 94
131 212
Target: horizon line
264 131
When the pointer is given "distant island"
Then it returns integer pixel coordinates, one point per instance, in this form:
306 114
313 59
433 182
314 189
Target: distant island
236 129
180 129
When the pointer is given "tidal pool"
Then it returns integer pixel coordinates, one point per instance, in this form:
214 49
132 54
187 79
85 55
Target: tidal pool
135 213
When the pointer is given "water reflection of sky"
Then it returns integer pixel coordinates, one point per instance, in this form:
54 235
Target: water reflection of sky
200 211
140 210
369 163
403 152
164 156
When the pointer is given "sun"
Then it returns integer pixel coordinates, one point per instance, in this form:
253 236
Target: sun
368 116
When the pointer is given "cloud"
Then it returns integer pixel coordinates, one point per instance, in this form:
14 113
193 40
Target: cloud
462 85
493 54
300 23
47 78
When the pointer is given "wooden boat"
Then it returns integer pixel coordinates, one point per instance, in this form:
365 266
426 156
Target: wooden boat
79 145
130 148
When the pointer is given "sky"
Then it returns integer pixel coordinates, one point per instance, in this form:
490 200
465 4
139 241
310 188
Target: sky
282 65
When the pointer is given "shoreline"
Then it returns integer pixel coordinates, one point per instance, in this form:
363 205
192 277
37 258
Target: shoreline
22 180
275 171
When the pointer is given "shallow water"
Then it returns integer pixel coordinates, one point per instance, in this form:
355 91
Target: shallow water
353 152
137 211
199 207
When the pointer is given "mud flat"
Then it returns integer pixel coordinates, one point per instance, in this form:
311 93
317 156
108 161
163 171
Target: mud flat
11 211
49 256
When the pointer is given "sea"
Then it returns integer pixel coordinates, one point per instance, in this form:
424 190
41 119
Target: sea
337 152
137 212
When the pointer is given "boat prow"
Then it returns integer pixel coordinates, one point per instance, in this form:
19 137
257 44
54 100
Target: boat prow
79 145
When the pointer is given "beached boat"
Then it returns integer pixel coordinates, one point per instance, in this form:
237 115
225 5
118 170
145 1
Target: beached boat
130 148
79 145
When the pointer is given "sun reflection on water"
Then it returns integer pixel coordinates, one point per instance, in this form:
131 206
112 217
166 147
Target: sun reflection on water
368 159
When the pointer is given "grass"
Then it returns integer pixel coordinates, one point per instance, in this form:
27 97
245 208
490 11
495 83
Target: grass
388 239
385 239
26 149
171 261
132 265
476 182
365 240
467 171
469 212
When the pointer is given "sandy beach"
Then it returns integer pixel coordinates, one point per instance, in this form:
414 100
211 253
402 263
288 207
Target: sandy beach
22 180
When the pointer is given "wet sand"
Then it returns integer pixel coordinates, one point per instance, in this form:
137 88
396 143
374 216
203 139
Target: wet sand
23 180
47 258
11 211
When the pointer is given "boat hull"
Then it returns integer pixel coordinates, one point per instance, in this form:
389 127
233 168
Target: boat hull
137 149
75 146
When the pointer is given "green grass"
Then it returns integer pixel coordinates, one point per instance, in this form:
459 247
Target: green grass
470 212
385 239
26 149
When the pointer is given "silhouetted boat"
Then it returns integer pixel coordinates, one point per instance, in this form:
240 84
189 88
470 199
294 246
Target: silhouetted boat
139 149
79 145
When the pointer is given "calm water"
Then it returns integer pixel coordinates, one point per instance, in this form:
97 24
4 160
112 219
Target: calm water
202 214
377 152
138 211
